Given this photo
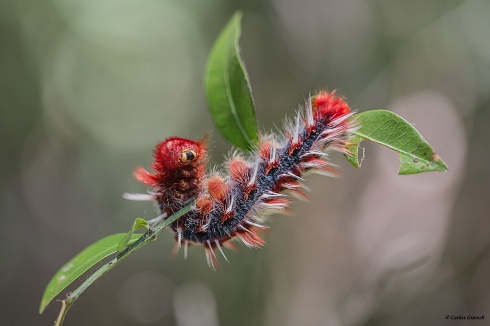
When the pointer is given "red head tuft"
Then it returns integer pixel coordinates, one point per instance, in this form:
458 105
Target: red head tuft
172 157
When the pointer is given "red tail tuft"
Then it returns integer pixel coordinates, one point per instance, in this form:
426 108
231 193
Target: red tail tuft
327 104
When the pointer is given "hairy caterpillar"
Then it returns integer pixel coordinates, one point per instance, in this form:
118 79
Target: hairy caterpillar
230 204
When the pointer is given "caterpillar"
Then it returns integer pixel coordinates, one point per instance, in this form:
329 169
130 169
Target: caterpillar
231 201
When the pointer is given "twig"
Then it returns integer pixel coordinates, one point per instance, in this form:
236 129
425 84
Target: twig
143 240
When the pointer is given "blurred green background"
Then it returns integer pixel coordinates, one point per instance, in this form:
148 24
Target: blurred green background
87 88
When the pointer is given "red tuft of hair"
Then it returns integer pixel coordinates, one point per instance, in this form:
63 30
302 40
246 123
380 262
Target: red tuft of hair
327 104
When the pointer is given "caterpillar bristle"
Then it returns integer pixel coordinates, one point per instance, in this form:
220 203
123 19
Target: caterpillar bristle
138 197
249 238
211 258
260 226
186 245
253 178
218 245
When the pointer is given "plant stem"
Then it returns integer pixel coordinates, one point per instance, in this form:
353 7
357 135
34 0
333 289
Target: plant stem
150 235
62 314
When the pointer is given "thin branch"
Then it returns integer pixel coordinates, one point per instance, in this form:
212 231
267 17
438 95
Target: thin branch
143 240
61 316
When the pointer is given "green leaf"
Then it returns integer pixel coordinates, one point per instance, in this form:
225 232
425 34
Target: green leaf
390 130
228 89
138 223
80 264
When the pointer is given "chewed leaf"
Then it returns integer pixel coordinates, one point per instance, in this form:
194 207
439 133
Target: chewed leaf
82 262
353 149
228 89
138 223
390 130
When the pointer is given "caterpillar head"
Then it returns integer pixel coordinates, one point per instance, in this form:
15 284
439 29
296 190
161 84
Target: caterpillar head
176 153
172 156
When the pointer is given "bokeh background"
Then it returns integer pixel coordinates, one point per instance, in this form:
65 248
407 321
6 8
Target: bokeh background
87 88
